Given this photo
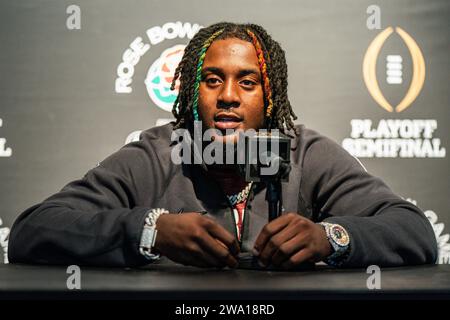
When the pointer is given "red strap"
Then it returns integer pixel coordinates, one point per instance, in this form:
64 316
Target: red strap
240 207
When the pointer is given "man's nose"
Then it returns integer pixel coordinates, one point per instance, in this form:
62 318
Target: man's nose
228 96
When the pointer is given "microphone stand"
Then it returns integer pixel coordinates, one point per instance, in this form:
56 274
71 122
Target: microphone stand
274 190
273 198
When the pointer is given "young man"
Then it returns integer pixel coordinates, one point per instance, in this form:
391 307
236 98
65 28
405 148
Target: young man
232 76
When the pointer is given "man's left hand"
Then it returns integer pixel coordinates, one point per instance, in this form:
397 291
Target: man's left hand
291 239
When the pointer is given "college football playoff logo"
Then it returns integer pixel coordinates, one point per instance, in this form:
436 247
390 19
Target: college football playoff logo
369 69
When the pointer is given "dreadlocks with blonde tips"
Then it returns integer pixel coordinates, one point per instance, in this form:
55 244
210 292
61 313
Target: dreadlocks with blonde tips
273 67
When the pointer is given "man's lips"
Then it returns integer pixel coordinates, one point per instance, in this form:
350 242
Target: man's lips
223 125
223 121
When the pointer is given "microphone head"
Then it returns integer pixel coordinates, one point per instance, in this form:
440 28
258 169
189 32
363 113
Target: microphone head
266 156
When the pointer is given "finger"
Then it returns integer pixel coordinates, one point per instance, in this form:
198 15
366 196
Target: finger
288 249
218 232
211 260
268 231
186 258
218 250
203 258
298 258
275 242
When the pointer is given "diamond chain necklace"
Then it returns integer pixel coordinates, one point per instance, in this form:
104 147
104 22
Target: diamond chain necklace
241 196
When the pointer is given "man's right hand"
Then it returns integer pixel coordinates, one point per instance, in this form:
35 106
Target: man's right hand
192 239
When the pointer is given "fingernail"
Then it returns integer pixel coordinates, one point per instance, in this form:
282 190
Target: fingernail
255 252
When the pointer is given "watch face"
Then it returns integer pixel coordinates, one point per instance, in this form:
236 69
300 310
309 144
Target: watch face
339 235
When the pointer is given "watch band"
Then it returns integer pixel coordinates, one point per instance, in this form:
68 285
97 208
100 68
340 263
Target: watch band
149 232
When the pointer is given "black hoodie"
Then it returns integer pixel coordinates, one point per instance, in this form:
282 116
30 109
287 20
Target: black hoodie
98 220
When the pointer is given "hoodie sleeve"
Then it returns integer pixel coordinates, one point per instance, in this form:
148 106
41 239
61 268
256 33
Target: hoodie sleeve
96 220
384 229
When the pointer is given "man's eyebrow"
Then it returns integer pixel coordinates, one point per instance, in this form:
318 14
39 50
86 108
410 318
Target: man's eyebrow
246 72
214 70
241 73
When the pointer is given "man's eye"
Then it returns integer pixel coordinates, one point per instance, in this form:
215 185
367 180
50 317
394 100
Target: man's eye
212 81
248 83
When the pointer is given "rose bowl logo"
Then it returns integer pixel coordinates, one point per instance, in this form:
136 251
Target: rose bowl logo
160 75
